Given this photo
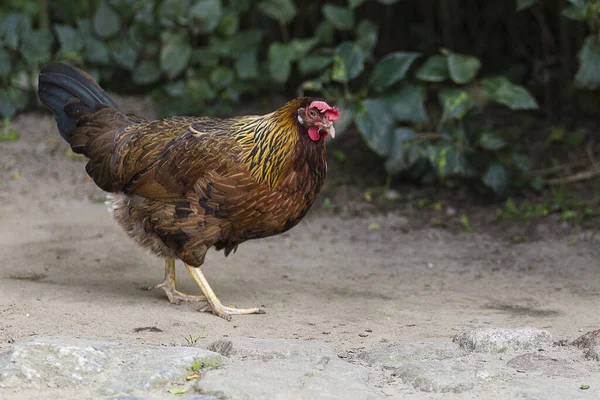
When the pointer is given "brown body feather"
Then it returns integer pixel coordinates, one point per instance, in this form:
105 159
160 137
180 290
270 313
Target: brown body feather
186 184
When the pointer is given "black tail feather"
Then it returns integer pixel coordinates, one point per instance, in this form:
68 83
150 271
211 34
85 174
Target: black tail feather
59 84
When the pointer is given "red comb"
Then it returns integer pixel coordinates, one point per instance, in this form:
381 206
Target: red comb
333 113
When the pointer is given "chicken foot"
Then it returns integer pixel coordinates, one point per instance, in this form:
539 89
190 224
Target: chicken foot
214 304
168 285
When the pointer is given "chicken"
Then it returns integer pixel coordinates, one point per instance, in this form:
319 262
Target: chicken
181 185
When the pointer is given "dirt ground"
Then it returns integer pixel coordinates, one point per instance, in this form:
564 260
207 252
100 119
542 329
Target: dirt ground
355 279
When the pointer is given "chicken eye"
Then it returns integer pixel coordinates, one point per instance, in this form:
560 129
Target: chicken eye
312 113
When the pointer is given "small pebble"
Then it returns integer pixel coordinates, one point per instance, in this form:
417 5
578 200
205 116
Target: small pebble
363 335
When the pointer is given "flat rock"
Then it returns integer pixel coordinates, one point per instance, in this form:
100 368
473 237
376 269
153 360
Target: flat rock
264 349
445 376
498 340
112 369
401 353
288 378
548 366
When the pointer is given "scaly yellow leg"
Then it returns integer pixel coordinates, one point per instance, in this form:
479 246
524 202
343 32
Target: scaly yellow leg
214 304
168 285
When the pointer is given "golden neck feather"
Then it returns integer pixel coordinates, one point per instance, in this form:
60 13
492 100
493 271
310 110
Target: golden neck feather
269 142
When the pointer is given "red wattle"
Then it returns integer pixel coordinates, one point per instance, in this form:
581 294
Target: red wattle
314 134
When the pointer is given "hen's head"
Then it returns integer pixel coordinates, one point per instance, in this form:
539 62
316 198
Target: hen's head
317 117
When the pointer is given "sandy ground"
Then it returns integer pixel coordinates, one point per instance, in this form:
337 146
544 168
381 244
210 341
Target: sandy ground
67 269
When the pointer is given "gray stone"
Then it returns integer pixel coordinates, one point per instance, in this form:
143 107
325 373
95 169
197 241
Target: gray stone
110 368
400 353
445 376
288 378
548 366
264 349
492 340
593 353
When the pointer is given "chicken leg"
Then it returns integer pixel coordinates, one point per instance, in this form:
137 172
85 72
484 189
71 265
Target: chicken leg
169 286
214 304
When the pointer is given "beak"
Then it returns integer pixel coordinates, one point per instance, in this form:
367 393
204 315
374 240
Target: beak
330 129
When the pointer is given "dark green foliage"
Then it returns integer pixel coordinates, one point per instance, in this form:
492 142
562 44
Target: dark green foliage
412 94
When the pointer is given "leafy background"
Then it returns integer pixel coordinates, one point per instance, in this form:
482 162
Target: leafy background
413 78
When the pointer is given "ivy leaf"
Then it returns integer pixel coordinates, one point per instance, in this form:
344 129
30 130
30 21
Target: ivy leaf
229 25
503 91
206 15
376 124
340 17
407 104
367 33
348 110
399 159
435 69
175 55
280 61
283 11
301 47
313 64
36 47
355 3
124 54
579 10
14 27
146 72
391 68
523 4
456 103
448 160
96 51
491 141
70 40
107 22
496 178
221 77
588 75
5 64
11 101
462 68
246 65
171 11
522 162
348 62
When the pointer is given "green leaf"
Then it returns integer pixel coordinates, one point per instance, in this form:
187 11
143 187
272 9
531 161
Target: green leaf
5 64
340 17
588 75
199 90
146 72
522 162
280 61
311 64
355 3
456 103
579 10
496 178
36 47
448 160
537 183
348 62
11 101
367 33
96 51
523 4
175 54
301 47
175 89
283 11
500 90
172 12
124 54
70 40
206 15
107 22
14 27
229 25
462 68
407 104
205 57
221 77
435 69
399 159
246 65
391 68
491 141
376 124
325 32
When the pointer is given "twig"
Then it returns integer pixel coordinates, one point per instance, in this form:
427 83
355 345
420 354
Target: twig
557 168
582 176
